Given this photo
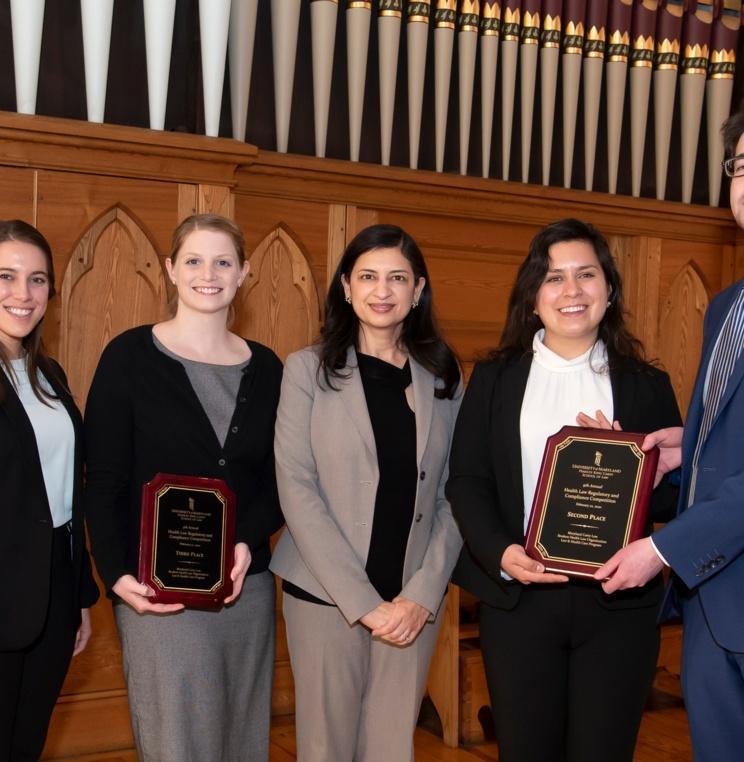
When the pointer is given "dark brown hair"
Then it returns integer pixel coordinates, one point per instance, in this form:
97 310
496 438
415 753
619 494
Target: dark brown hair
419 335
18 230
522 323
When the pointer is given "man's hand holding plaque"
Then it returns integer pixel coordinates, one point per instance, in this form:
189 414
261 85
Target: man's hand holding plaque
591 498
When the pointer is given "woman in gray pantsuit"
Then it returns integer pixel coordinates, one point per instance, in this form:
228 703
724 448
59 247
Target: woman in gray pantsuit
362 438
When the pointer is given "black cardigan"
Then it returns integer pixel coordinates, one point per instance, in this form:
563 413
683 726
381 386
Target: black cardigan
26 539
485 475
143 417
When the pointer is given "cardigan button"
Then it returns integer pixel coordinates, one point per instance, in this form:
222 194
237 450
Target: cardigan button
243 399
419 516
221 462
423 475
234 429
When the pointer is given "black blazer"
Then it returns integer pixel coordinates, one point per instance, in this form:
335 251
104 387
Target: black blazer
143 417
485 481
26 539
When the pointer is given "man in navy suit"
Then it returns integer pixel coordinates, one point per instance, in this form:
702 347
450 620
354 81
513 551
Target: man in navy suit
704 545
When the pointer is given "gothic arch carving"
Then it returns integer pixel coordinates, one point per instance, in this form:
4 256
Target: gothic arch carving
681 331
113 281
278 304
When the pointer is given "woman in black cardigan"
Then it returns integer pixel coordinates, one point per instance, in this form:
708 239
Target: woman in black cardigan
47 585
189 397
568 667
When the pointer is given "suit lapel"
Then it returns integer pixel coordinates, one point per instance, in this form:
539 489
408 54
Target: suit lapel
513 385
352 395
731 385
20 423
17 415
737 373
423 395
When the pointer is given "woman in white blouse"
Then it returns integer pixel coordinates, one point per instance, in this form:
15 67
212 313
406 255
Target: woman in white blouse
568 667
47 585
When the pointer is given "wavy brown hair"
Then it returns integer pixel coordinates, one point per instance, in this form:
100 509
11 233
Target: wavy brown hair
33 346
522 323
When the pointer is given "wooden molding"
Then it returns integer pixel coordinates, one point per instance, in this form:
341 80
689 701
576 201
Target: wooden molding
449 195
109 149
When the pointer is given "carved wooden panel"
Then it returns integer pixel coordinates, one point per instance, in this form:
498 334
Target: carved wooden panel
278 303
639 262
113 281
681 331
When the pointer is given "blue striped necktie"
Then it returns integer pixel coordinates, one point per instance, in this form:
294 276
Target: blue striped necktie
725 354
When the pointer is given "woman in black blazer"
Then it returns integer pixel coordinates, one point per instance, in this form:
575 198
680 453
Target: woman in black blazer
47 585
568 667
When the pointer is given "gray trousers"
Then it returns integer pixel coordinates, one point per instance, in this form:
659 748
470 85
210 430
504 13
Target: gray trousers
199 682
357 698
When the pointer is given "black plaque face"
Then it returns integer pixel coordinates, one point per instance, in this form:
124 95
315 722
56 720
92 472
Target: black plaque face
188 539
591 498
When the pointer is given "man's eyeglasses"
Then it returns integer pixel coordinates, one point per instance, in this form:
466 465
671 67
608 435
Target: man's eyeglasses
734 167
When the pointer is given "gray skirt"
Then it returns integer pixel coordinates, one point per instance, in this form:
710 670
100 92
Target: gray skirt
199 682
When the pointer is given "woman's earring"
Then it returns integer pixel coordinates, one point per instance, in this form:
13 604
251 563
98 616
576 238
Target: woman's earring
414 304
348 299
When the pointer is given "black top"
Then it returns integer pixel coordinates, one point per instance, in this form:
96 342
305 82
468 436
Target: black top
394 427
143 418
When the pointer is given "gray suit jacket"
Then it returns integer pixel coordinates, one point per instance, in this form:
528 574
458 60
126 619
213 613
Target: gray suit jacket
327 474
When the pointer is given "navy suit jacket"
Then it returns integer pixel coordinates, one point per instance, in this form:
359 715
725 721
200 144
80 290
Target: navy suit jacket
704 544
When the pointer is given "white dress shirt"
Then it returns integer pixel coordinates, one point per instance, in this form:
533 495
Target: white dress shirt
557 391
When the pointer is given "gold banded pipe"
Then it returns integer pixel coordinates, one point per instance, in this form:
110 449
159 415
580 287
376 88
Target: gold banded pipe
551 32
594 43
490 25
419 12
667 55
642 55
510 25
573 41
392 8
530 28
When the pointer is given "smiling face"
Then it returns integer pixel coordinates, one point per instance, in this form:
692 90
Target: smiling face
382 288
572 299
24 292
206 271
